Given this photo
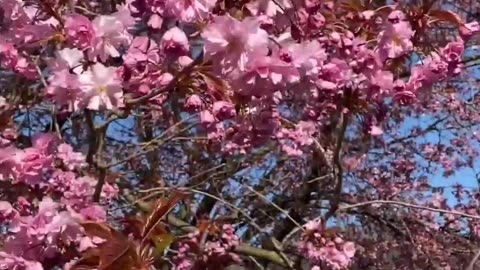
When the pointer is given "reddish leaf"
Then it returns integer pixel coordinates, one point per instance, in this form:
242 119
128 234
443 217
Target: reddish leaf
208 226
133 225
446 16
89 260
98 229
162 209
118 253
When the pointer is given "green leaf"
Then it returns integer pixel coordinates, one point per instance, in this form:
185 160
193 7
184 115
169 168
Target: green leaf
162 242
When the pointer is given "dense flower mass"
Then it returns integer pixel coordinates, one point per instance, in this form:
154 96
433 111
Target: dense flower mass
103 101
323 252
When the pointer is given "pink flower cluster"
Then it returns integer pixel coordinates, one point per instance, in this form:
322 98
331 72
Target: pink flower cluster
193 254
40 232
325 252
43 235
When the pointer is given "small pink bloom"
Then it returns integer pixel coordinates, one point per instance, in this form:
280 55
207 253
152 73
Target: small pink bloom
375 131
155 21
193 103
101 88
189 10
175 41
70 158
80 31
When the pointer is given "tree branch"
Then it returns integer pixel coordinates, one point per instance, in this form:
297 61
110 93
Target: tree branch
408 205
337 160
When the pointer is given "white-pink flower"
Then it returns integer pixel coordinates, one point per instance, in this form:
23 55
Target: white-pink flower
101 88
110 34
229 43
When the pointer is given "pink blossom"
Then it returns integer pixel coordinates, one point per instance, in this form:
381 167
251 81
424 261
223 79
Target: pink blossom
230 43
189 10
30 165
70 158
101 88
381 82
63 85
262 74
124 14
349 249
308 57
375 130
7 212
452 53
219 251
469 29
142 49
32 34
335 253
193 103
175 41
395 40
293 140
267 7
140 70
12 262
155 21
94 213
63 88
42 236
80 31
11 60
17 16
206 117
223 110
334 74
67 59
45 142
110 34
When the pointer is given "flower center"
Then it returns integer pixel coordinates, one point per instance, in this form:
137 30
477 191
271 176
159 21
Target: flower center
101 89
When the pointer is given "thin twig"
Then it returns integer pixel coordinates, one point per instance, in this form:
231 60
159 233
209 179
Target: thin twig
408 205
474 260
257 263
278 248
283 211
252 222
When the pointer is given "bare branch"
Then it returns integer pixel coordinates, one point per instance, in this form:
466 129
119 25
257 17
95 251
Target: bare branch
408 205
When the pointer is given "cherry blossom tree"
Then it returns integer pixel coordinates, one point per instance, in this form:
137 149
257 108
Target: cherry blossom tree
262 134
